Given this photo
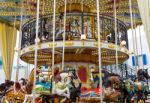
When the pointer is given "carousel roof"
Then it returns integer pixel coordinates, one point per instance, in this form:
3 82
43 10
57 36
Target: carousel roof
11 8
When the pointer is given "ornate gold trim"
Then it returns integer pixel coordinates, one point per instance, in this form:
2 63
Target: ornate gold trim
31 48
111 46
69 43
40 45
51 44
96 44
23 51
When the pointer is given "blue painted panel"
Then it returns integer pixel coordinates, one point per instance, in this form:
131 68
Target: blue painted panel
144 59
133 61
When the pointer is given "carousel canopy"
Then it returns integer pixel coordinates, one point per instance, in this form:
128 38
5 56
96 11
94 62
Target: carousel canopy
11 8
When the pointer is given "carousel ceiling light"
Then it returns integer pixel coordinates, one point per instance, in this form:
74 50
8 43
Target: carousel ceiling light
83 37
37 40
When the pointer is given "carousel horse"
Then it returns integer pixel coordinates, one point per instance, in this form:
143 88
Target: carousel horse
20 89
4 88
141 86
41 86
141 89
74 85
23 81
128 90
136 90
15 93
143 74
60 88
112 91
63 87
66 86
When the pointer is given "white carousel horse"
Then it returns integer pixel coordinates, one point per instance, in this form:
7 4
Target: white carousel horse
61 89
74 84
29 98
60 86
65 86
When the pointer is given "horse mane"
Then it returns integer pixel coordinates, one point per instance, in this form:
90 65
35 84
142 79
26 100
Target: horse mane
143 73
24 82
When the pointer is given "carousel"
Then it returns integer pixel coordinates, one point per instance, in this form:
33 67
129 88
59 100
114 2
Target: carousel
76 41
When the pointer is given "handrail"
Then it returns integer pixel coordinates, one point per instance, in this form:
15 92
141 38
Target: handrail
73 28
75 13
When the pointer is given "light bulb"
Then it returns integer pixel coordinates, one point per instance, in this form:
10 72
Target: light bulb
123 43
37 40
83 37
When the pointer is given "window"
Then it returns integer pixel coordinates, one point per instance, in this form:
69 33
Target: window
139 60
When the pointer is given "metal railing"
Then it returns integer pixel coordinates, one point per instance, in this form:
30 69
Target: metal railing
76 25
